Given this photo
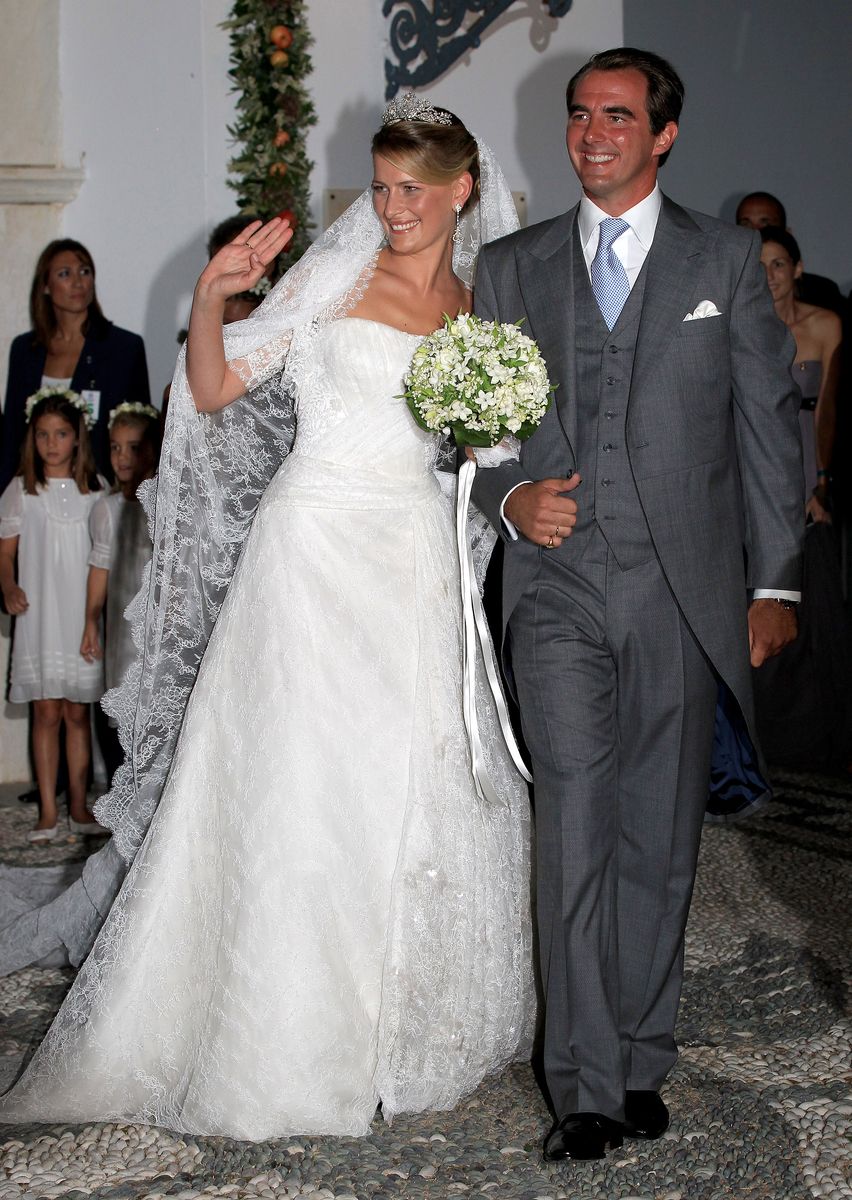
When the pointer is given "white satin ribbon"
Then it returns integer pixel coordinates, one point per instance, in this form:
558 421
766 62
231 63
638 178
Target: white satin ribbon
474 625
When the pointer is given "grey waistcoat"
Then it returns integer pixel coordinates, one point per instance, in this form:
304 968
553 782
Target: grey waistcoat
607 497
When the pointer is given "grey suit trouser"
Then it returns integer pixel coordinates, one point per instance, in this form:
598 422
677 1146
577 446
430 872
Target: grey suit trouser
617 705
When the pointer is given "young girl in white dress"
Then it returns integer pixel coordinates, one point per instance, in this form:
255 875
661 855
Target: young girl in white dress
44 524
121 550
121 543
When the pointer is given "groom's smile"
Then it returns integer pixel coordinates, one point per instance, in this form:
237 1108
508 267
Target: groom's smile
609 139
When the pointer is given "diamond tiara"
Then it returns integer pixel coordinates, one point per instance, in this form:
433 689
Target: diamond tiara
410 107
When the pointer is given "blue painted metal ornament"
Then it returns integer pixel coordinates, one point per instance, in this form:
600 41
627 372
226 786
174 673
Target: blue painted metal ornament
426 40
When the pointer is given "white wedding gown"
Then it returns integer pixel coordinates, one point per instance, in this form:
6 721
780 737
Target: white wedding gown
323 914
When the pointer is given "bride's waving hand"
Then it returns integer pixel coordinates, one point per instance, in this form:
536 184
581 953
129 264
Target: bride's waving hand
236 268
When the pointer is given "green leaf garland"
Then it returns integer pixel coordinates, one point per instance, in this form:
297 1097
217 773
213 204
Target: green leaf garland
269 64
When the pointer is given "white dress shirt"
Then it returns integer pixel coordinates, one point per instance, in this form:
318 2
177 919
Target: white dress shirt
631 248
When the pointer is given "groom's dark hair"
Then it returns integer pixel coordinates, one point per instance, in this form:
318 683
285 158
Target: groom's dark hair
665 86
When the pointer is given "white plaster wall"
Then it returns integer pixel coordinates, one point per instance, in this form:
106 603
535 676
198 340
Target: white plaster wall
29 131
768 97
508 91
143 102
146 103
24 229
145 99
29 137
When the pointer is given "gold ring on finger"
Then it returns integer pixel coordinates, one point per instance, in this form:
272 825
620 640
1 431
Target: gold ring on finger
549 545
556 534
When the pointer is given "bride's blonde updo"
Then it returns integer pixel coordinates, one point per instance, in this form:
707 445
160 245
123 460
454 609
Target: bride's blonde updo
433 151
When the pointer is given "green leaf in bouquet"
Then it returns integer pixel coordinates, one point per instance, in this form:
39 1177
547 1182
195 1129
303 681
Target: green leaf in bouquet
526 431
470 437
529 427
415 412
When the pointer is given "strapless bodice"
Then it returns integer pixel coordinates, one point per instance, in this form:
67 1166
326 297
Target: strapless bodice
808 376
351 413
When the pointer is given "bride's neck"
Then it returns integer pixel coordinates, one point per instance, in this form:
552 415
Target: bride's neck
423 271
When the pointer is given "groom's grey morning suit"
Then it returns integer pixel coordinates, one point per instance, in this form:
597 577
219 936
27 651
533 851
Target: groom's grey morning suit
685 435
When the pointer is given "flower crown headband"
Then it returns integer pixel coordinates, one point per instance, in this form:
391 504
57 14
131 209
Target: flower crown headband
132 409
410 107
72 398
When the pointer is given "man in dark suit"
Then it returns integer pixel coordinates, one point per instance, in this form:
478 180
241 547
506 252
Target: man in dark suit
662 489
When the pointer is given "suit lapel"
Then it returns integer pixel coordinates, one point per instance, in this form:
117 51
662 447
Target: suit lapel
546 275
35 367
87 370
674 263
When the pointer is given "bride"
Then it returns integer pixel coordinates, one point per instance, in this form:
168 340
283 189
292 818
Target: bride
320 915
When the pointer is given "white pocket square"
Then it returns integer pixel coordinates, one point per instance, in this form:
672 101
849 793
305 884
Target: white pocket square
705 309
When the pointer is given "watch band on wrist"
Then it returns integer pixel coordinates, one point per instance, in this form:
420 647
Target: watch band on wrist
789 604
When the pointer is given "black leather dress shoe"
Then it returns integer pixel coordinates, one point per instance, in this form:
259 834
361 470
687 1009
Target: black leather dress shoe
582 1135
645 1115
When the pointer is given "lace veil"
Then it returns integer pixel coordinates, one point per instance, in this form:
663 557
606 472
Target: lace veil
213 471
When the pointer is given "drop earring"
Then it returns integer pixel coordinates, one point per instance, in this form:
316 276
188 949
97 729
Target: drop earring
457 231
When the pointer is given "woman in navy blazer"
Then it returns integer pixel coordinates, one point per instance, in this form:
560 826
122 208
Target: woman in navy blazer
70 338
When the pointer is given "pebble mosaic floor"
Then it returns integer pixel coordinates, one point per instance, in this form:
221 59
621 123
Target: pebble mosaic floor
761 1098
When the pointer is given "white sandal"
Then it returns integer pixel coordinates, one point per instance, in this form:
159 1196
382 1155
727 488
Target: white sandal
87 828
43 835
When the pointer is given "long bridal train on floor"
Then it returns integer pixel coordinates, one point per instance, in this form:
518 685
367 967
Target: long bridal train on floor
323 914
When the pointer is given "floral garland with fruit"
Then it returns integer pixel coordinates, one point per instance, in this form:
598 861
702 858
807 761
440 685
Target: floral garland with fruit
269 65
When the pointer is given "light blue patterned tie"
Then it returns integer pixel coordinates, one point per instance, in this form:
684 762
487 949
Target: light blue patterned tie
609 278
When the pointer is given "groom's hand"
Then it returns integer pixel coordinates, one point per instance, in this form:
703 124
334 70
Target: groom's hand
771 627
542 511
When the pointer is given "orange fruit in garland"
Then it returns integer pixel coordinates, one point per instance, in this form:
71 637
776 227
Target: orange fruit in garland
279 58
282 137
278 168
288 215
281 37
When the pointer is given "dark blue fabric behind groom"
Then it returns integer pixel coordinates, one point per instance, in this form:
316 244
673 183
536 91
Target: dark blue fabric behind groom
663 488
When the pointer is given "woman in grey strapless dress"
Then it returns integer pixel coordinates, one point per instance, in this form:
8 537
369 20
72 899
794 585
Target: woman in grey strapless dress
802 698
807 375
817 333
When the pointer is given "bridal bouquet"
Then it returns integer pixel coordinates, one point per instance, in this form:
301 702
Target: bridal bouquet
487 383
481 379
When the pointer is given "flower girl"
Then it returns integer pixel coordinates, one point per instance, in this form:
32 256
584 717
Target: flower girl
121 549
44 523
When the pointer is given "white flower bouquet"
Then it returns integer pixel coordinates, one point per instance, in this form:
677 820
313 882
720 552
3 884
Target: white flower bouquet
486 383
482 380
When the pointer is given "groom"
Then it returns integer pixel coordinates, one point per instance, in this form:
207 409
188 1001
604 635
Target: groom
663 488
